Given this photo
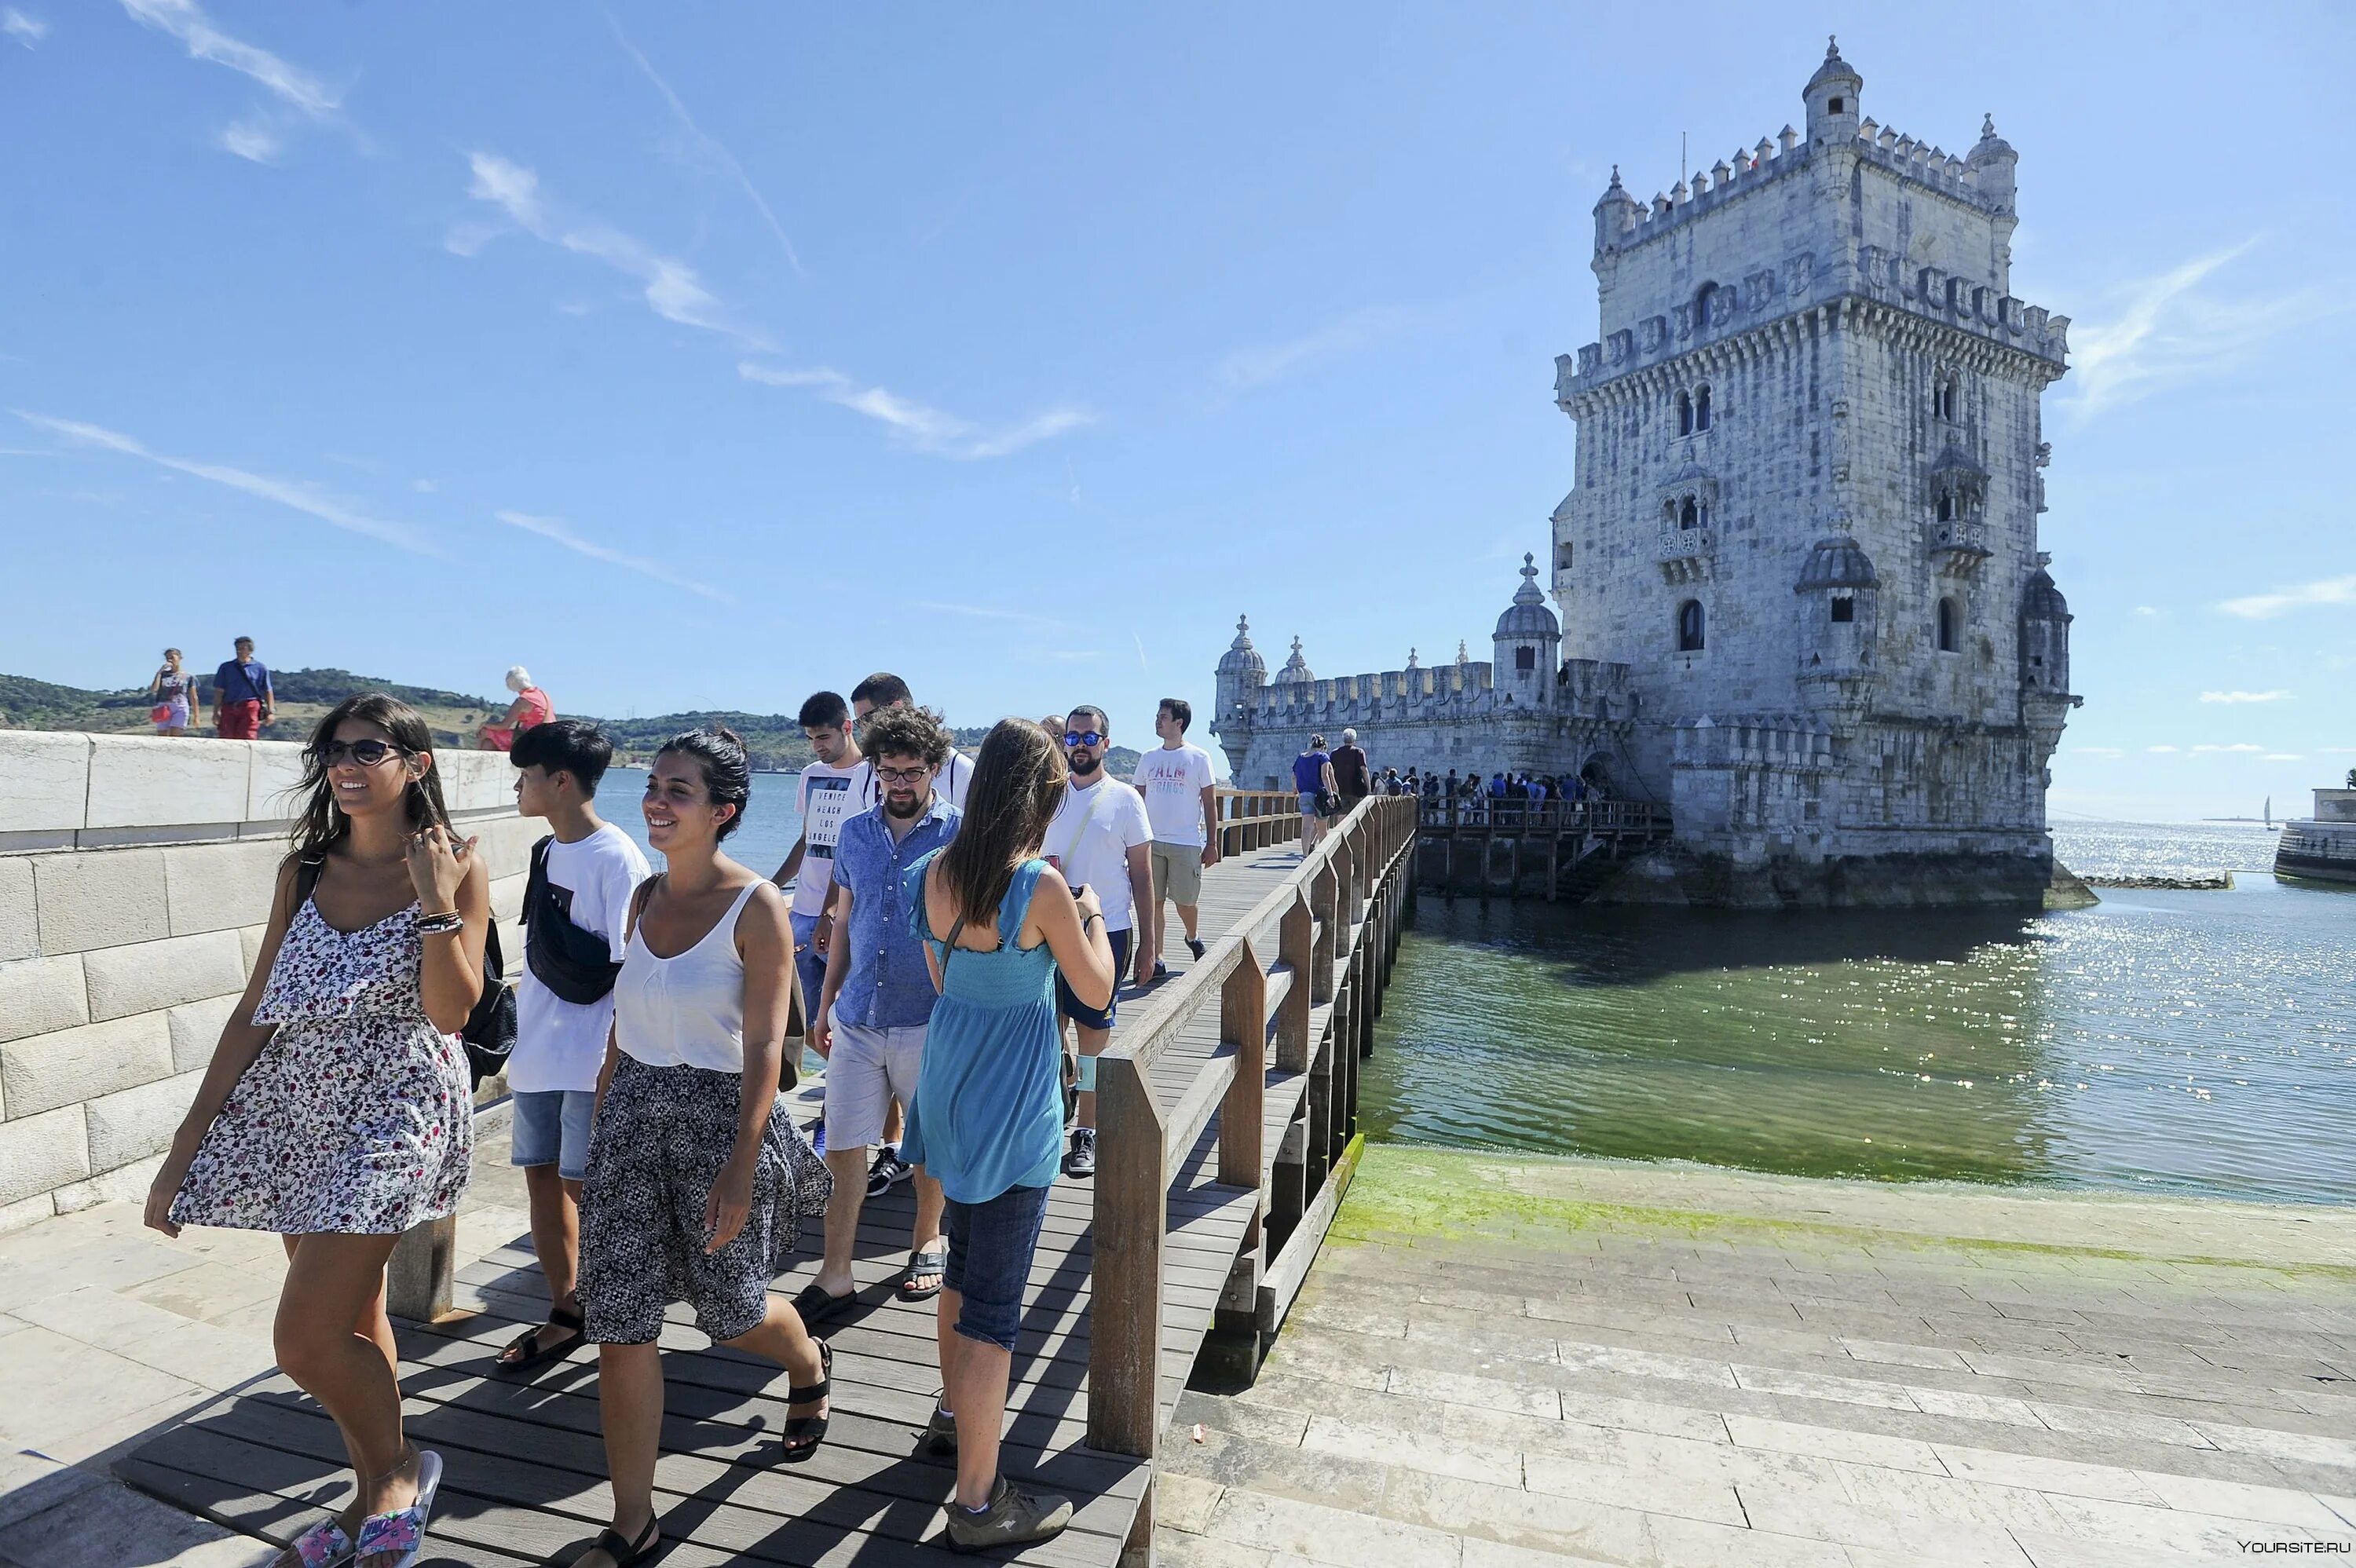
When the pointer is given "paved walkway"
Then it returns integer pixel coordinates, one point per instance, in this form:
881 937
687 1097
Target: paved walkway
1503 1363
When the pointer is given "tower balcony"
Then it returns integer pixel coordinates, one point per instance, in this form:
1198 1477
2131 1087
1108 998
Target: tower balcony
1959 546
1685 554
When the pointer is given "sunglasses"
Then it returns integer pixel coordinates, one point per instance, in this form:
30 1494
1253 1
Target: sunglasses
367 754
1083 738
902 775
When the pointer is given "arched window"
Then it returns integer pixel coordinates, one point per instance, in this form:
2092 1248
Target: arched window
1701 408
1525 658
1705 303
1944 398
1689 626
1684 413
1950 627
1844 609
1688 514
1946 506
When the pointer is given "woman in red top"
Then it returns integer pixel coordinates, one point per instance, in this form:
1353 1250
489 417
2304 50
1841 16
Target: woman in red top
530 707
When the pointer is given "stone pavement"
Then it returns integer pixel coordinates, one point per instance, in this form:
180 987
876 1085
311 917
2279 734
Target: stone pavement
1507 1364
109 1331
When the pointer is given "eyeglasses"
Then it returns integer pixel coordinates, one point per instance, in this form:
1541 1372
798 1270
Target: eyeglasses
367 754
902 775
1083 738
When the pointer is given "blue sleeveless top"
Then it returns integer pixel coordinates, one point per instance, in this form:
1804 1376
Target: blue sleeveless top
989 1111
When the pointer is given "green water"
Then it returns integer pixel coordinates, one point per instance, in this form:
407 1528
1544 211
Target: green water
2180 1042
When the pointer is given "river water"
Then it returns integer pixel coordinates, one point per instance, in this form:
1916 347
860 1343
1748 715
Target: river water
2182 1042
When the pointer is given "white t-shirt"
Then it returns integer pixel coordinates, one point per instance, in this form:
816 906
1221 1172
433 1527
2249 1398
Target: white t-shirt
1090 839
825 802
561 1044
1173 780
957 771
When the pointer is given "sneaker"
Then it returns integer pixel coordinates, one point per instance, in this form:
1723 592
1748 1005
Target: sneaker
818 1136
1194 946
888 1172
1161 971
1012 1518
940 1431
1080 1164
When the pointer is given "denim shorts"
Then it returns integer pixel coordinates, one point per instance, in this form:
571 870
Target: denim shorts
990 1248
551 1127
1308 802
1078 1011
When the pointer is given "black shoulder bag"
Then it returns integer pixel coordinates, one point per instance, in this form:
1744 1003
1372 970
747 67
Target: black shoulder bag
575 964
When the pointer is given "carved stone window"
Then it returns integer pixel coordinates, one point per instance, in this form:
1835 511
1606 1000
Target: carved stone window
1946 395
1951 618
1701 406
1684 413
1562 557
1689 626
1525 658
1845 610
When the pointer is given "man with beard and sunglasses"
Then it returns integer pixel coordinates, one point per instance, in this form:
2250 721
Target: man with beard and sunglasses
1101 839
870 1017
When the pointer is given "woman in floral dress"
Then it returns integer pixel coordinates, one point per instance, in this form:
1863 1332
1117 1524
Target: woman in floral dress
338 1109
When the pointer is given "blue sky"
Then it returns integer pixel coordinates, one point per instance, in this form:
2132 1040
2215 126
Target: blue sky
700 355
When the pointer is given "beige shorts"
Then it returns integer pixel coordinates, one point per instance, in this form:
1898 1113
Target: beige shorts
1177 872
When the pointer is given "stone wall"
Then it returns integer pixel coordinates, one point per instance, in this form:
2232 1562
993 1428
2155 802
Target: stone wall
136 876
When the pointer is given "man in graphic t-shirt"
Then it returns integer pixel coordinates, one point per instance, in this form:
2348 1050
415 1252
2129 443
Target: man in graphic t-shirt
243 701
823 800
1182 802
591 871
1100 839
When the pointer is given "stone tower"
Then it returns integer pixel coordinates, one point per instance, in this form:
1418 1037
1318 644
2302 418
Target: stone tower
1805 515
1528 643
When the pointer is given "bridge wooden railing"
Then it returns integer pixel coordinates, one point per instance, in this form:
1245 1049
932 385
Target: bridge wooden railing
1337 917
1545 815
1255 818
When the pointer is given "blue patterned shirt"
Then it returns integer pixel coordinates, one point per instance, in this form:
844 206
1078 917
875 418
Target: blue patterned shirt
889 986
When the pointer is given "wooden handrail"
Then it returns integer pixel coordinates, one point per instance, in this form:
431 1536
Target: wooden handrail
1141 1150
1543 816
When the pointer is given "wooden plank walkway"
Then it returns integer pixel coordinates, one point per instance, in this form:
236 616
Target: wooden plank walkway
526 1464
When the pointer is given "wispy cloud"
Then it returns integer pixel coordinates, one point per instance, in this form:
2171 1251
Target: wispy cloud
2160 751
26 30
2167 330
297 497
1248 367
2282 757
557 532
2267 606
2236 746
252 140
253 136
988 613
708 144
671 288
2245 696
925 428
2146 609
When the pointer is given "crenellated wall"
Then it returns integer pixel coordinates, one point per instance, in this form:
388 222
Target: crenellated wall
136 876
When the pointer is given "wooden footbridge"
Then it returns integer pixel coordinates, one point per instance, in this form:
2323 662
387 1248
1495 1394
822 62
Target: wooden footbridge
1227 1109
1563 849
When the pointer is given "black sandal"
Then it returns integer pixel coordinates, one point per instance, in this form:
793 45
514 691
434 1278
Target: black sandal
815 1307
926 1263
534 1352
624 1554
803 1433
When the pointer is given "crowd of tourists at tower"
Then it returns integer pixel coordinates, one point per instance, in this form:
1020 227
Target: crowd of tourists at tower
939 926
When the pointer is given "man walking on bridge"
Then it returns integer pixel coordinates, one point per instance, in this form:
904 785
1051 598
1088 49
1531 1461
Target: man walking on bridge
1182 802
1353 774
1100 839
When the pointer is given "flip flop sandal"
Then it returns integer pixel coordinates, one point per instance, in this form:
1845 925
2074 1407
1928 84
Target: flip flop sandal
803 1433
534 1352
624 1554
403 1529
930 1263
815 1307
324 1546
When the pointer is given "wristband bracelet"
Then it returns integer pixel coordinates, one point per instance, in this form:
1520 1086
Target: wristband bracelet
440 925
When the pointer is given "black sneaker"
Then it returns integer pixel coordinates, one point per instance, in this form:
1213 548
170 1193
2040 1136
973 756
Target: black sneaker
1194 946
1080 1162
1161 971
1012 1518
887 1172
940 1431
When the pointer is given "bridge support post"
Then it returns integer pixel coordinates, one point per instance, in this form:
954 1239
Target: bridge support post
1132 1212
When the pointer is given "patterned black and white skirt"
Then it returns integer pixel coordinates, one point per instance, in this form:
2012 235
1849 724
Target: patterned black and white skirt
662 1135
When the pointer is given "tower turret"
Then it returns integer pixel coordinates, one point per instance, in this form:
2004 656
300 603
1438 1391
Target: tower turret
1839 607
1296 670
1831 96
1528 643
2045 695
1242 674
1615 213
1993 162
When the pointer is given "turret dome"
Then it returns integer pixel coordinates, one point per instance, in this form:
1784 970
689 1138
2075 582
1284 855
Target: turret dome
1241 658
1527 616
1991 145
1296 668
2043 601
1833 70
1838 562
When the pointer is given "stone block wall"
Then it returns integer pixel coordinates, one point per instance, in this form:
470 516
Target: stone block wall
136 876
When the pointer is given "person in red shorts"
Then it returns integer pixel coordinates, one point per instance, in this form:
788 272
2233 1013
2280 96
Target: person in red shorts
243 701
530 707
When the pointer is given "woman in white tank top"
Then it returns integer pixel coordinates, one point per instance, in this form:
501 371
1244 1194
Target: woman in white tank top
698 1180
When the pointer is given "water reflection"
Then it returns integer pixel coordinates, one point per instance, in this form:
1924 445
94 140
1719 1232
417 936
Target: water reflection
2189 1041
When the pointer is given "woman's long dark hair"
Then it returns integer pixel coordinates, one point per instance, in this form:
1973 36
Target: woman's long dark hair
321 822
1017 785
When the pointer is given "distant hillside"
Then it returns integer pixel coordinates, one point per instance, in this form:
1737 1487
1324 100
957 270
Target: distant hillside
773 741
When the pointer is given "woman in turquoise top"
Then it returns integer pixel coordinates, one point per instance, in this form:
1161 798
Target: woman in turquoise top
988 1118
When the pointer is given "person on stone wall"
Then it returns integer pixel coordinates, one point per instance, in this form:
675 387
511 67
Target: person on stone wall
339 1110
174 692
532 706
243 701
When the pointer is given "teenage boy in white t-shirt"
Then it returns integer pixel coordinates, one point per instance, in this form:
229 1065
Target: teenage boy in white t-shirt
591 871
823 800
1182 801
1100 839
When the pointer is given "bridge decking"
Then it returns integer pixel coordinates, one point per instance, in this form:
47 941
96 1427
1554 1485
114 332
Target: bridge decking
526 1467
